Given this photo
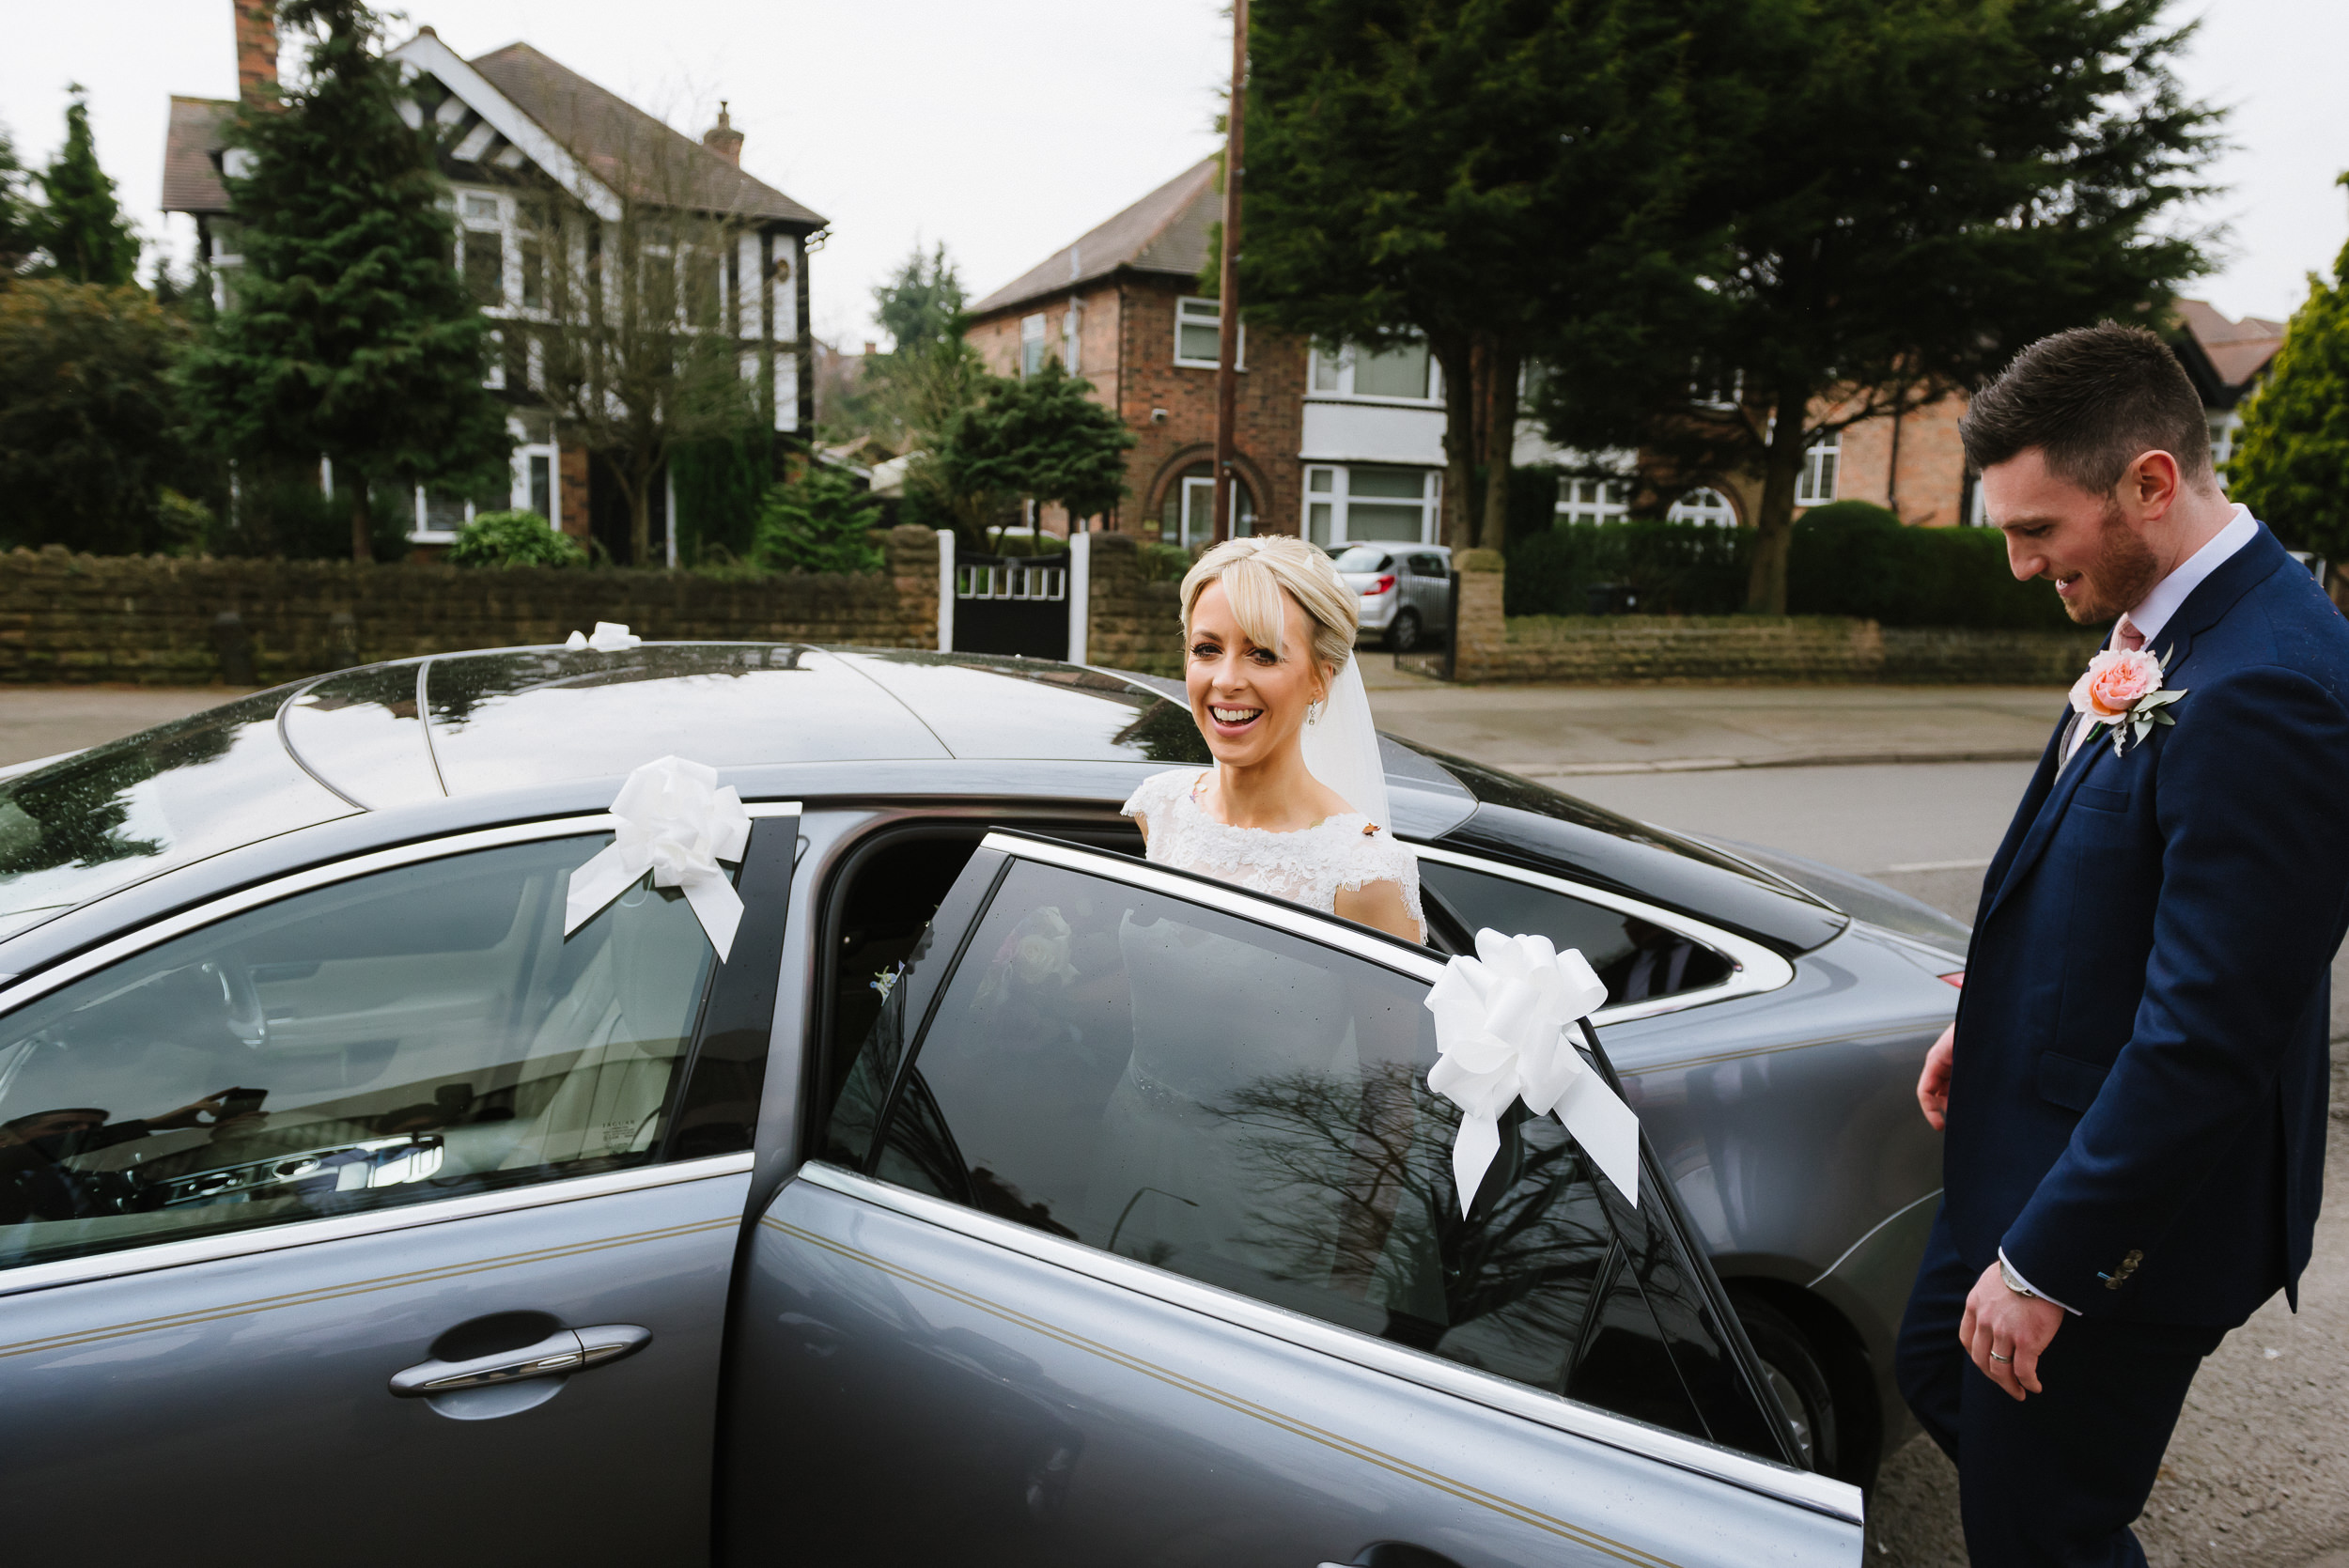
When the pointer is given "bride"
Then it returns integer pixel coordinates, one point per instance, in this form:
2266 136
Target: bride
1296 803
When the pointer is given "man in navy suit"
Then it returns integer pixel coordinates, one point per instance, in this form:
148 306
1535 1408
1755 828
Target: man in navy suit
2134 1092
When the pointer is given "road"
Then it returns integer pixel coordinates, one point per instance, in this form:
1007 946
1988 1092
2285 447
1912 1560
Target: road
2256 1476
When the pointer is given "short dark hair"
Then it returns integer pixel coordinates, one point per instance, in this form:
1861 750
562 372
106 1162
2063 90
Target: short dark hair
2090 399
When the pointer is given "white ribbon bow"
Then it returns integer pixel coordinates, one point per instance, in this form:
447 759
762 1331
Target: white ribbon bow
1500 1035
608 637
677 823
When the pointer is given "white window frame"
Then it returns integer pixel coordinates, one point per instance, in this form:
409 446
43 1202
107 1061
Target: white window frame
1337 365
517 487
1071 336
1703 504
1822 465
1031 345
1594 501
1203 310
2225 425
1339 499
510 251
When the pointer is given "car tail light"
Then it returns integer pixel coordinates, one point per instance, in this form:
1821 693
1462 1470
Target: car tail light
1383 584
1957 980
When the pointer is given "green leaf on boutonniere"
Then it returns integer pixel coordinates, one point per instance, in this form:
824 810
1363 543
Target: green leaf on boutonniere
2166 654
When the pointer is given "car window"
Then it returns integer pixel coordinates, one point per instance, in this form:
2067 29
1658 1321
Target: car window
1639 959
401 1036
1278 1140
1427 565
1362 558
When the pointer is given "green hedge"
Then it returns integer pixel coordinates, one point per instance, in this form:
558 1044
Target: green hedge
1848 559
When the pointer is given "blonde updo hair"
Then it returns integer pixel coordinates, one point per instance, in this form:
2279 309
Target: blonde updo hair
1257 572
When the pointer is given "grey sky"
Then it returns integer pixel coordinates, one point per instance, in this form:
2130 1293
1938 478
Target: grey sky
1008 128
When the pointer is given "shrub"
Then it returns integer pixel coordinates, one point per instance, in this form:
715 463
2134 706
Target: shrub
818 521
1850 558
1668 568
1855 559
1164 563
514 540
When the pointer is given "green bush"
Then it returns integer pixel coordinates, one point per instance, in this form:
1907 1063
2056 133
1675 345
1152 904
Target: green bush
720 485
514 540
286 516
1850 558
1164 563
818 522
1669 568
1855 559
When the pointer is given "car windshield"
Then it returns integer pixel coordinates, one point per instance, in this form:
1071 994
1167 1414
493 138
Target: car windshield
117 814
1363 558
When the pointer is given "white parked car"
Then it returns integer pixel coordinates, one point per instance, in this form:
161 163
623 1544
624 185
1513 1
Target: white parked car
1406 591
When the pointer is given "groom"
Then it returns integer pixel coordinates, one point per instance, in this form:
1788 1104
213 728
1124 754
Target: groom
2133 1090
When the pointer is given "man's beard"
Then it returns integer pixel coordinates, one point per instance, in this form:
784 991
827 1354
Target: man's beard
2124 572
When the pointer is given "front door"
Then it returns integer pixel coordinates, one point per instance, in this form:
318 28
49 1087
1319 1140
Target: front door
372 1218
1134 1240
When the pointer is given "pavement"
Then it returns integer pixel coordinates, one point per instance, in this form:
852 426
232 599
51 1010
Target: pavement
1913 785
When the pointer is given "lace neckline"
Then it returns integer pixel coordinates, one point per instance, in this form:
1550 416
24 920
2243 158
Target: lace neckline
1207 819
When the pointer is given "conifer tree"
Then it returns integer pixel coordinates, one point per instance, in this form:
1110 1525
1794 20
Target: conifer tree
1043 438
80 223
16 242
347 332
2291 462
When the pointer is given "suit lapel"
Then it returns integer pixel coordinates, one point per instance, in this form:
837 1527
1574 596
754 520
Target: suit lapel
2204 609
2067 776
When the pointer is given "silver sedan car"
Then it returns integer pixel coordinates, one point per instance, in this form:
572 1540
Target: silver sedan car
344 1173
1406 592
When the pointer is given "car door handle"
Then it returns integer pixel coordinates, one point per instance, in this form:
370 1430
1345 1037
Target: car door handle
559 1355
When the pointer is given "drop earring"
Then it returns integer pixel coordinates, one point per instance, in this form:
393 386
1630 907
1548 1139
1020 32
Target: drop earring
1313 711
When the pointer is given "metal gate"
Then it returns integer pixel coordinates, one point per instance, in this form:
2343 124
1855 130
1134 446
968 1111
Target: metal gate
1012 604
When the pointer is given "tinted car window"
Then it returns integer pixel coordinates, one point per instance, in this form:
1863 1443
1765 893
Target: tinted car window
115 814
1639 959
1427 565
407 1035
1280 1143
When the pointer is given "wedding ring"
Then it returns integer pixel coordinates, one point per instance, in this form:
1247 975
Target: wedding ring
2002 1360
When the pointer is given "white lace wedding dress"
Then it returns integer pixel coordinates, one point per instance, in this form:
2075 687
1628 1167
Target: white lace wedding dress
1310 867
1170 1129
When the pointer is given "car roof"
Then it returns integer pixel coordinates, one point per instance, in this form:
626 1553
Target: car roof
401 743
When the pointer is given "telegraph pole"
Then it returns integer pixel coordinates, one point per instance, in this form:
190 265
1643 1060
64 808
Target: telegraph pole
1227 331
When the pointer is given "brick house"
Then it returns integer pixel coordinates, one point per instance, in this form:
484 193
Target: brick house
518 127
1348 445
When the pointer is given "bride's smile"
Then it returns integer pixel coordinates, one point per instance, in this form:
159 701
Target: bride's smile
1250 699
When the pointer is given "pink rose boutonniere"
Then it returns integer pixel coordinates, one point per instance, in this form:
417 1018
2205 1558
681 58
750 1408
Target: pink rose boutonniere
2123 692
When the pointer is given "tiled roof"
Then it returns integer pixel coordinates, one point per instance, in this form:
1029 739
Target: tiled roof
192 155
2237 350
623 146
1166 231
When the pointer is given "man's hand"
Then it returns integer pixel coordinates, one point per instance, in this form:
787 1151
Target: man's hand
1999 1322
1932 1084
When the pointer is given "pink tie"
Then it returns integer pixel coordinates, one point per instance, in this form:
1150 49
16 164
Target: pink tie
2125 636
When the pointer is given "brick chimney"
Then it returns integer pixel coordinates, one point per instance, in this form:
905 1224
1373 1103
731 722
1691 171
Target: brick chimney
723 139
257 51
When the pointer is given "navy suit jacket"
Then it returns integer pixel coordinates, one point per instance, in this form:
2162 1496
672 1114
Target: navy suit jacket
2136 1108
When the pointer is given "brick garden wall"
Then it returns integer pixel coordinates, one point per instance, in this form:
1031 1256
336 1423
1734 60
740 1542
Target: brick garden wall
1600 649
160 620
1131 624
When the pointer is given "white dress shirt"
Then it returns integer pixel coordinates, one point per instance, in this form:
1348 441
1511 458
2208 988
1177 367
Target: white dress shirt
2150 616
2162 600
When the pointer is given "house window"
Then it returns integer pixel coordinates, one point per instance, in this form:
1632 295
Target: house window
530 483
1705 506
1593 500
1031 345
1071 325
1818 471
1358 503
1198 335
2224 424
1186 516
481 247
1406 373
1713 385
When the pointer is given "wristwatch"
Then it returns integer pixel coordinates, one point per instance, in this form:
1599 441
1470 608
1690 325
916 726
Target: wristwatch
2014 1281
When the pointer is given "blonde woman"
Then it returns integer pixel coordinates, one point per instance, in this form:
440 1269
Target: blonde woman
1296 804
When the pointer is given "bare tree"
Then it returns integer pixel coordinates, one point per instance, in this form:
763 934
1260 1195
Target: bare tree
630 313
